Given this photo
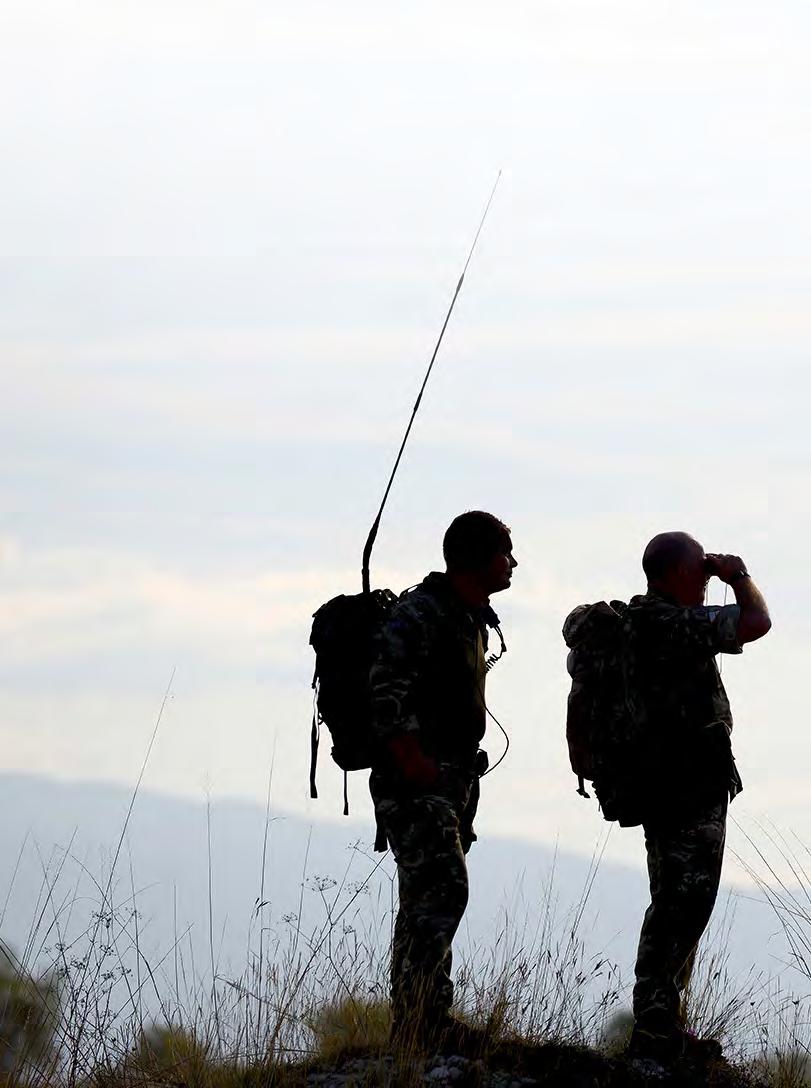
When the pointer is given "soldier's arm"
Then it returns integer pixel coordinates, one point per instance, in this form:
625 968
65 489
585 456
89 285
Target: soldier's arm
754 621
702 631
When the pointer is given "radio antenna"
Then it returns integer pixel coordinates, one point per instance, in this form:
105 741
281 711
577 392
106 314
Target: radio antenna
370 541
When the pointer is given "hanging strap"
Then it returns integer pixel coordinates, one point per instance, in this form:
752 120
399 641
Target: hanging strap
315 736
381 840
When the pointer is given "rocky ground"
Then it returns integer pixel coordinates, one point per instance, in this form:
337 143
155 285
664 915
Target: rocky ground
518 1066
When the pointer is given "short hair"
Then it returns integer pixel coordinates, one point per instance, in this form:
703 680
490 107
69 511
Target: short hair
473 539
665 552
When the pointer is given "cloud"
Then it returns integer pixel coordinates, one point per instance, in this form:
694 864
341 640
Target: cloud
192 449
314 30
73 606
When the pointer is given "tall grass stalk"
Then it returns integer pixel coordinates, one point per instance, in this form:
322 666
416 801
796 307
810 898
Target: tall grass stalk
113 1014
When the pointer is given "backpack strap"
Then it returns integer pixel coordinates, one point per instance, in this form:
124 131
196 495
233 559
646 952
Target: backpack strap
315 736
381 839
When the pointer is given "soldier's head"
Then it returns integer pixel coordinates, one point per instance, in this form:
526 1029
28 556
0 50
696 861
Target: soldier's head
674 563
478 552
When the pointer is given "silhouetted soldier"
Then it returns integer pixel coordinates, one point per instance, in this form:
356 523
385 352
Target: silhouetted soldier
693 773
429 711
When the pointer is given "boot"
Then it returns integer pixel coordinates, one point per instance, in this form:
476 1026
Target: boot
666 1049
457 1037
648 1046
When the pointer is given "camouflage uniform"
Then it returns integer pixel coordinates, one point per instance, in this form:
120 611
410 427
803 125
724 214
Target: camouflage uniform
428 680
692 776
684 865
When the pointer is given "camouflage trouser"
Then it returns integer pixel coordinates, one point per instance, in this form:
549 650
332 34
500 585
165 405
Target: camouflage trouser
429 836
684 865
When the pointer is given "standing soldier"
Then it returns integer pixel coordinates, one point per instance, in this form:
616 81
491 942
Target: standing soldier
429 714
692 770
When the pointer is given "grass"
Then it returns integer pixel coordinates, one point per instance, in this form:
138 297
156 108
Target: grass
111 1017
538 981
82 1004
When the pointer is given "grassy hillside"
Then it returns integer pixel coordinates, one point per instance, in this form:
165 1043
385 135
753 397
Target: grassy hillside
85 999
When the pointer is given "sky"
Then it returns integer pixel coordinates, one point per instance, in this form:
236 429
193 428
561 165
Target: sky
229 234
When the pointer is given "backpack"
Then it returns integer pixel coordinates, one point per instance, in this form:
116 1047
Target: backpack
605 721
343 636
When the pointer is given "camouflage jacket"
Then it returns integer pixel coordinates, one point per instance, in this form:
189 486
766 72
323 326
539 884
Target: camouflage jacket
686 706
429 674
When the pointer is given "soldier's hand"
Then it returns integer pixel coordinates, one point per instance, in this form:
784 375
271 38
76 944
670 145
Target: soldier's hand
414 765
724 567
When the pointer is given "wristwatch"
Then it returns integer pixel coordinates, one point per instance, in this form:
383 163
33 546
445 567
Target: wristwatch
736 577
